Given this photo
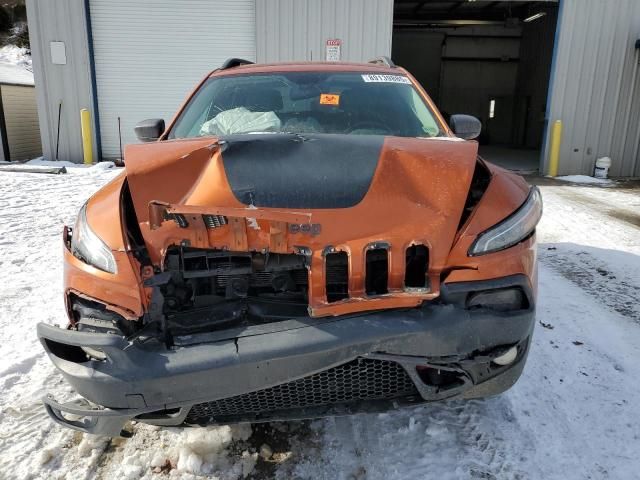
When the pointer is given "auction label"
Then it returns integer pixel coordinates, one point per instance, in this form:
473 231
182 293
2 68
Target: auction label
373 78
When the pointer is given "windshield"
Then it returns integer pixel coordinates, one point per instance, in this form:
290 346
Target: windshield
307 102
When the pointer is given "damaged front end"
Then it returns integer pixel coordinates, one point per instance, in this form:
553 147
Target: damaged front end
294 368
209 290
227 303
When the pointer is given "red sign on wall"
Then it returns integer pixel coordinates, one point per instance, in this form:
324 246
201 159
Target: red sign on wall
332 50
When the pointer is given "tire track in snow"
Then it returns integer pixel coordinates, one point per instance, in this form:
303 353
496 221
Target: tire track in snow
600 248
603 280
459 439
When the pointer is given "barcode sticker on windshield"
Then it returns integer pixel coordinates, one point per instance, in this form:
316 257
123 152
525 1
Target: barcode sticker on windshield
373 78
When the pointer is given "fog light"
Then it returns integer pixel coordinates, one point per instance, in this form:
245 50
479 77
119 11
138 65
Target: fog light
506 358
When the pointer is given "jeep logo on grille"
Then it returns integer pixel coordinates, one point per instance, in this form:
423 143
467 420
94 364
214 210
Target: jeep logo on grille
308 228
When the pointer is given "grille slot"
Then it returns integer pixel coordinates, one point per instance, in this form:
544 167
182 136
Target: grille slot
358 380
417 260
377 274
337 276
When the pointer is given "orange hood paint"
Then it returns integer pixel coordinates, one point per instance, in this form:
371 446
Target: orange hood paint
417 195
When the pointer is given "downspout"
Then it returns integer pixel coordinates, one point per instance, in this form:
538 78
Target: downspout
547 119
94 86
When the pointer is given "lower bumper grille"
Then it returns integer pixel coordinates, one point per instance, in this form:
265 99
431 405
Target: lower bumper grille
358 380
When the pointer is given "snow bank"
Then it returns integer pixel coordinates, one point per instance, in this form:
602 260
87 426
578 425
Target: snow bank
73 167
211 452
585 179
16 56
15 65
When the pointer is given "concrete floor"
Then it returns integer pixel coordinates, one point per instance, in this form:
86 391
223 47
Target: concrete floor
517 159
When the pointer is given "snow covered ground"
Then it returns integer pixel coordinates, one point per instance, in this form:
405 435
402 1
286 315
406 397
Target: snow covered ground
15 66
16 56
586 179
573 415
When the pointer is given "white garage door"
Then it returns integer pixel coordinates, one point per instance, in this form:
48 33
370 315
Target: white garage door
149 55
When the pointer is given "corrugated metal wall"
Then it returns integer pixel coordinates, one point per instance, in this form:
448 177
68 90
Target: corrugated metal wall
595 84
70 84
150 55
595 87
298 29
21 119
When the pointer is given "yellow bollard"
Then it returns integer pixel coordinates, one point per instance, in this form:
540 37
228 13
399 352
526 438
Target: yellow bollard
87 147
554 155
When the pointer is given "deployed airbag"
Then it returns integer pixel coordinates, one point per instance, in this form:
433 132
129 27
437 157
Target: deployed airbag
241 120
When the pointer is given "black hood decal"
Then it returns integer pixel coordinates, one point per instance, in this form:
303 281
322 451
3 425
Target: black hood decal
300 171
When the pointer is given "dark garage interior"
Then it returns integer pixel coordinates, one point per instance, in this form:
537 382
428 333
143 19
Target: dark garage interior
490 59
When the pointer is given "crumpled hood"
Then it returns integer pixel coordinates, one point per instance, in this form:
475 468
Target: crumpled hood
281 192
295 171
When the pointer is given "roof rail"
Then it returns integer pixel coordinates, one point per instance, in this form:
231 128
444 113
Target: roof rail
386 61
235 62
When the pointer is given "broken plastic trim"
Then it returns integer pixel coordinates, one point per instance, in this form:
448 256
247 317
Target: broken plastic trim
70 353
214 221
207 290
133 235
445 382
500 299
479 184
90 419
159 212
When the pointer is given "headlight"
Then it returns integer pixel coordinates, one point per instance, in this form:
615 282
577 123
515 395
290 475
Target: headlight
513 229
88 247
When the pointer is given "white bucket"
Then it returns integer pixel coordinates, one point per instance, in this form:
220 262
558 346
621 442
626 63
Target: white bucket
602 167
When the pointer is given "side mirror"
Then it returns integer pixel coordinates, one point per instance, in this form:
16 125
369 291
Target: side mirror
465 126
149 130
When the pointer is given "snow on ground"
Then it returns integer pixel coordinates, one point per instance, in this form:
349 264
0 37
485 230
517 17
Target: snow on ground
16 56
15 66
586 179
70 166
573 414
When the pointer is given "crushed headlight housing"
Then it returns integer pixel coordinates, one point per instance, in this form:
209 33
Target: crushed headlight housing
87 246
501 300
513 229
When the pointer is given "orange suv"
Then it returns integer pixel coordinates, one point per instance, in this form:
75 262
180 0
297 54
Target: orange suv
302 240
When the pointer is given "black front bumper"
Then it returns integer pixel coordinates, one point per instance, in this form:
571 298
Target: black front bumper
288 369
